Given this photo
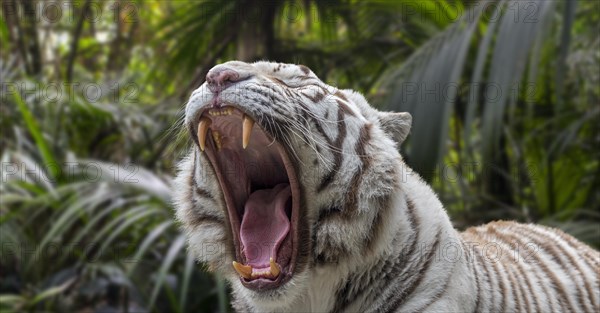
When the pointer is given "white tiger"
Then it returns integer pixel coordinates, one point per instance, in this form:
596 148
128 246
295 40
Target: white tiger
296 193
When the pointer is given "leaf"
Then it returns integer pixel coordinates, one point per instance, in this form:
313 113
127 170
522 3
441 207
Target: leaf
476 79
222 293
185 284
51 292
12 303
434 83
145 245
129 220
32 126
170 257
515 39
132 175
565 40
121 218
91 224
68 216
566 138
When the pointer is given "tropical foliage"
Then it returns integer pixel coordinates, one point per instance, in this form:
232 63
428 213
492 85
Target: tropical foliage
504 94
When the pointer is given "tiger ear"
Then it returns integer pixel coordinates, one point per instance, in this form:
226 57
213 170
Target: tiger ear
396 125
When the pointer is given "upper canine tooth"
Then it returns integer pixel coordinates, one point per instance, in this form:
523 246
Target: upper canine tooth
274 268
202 130
246 130
244 270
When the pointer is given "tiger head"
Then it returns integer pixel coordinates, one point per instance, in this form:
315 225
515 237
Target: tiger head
287 175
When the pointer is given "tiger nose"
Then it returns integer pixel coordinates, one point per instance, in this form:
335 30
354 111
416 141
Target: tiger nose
220 79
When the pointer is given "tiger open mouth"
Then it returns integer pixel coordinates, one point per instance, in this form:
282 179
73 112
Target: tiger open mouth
261 192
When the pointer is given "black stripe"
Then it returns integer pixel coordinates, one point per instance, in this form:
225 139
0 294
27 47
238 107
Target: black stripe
575 263
382 274
502 284
194 187
510 280
513 287
192 179
355 182
336 150
518 265
438 295
383 207
204 193
592 261
469 257
279 81
415 225
556 284
359 283
304 69
319 128
346 108
489 272
203 218
487 276
540 281
331 253
522 290
198 217
340 95
317 85
416 281
406 263
566 266
316 98
193 134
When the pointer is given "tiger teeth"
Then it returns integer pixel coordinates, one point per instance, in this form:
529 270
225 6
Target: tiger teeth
247 125
202 130
274 268
244 270
217 112
217 139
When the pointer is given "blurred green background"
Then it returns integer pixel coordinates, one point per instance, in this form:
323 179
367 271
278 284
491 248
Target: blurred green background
505 98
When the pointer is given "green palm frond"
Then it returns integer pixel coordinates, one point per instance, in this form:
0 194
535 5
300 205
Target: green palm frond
429 84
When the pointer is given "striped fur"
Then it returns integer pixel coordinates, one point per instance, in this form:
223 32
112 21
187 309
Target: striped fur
375 236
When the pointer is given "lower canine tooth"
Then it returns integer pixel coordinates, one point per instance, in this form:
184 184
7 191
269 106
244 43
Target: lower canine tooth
244 270
247 124
202 130
274 268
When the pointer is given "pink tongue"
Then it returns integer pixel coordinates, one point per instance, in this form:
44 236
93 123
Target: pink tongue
265 224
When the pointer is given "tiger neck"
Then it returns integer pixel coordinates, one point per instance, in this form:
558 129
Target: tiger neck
417 228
